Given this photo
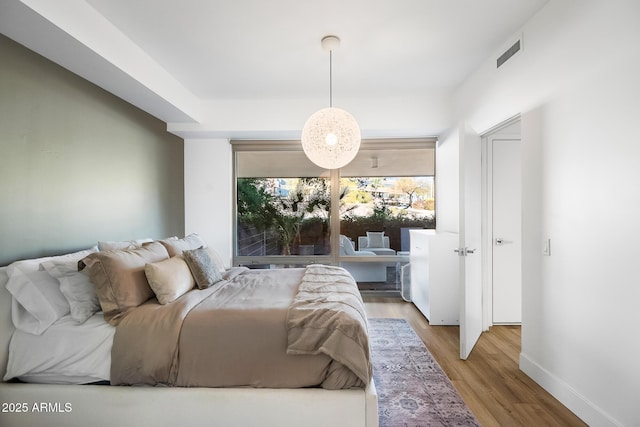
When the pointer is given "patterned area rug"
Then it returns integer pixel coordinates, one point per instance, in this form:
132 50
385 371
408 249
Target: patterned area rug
412 388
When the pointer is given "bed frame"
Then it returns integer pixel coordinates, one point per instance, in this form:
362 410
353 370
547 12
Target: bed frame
103 405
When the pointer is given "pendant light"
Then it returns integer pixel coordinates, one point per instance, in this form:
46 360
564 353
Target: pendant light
331 136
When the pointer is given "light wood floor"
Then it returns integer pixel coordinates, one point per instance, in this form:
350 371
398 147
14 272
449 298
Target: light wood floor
489 381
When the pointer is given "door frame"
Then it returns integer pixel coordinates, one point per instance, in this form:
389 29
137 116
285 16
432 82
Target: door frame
495 133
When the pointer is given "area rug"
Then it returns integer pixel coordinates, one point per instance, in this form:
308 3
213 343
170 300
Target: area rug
412 388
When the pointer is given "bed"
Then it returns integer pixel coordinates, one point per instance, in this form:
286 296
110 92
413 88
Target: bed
233 405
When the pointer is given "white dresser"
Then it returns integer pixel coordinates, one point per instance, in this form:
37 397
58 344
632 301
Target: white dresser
435 276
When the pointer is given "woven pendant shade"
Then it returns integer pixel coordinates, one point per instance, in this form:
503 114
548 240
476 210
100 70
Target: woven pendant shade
331 138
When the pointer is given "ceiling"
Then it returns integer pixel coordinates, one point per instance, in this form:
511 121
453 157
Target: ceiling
199 64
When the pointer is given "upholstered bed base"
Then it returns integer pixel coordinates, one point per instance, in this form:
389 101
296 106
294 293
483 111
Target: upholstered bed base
102 405
135 406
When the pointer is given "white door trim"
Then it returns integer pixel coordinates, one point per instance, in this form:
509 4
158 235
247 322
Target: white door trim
494 133
487 233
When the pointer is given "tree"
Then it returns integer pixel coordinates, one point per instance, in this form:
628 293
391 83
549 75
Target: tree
410 187
309 198
255 204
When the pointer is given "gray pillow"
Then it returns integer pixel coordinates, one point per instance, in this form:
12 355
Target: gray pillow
202 267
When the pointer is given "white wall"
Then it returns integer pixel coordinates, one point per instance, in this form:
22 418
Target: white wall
447 182
208 192
576 84
532 240
591 213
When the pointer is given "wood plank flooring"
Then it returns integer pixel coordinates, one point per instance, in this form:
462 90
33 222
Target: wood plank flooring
489 381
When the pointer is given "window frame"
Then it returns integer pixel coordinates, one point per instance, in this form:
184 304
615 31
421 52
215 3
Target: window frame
334 258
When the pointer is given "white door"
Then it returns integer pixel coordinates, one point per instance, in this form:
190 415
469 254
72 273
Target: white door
470 240
506 231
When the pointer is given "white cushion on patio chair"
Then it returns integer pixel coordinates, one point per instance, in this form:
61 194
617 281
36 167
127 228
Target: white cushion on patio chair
367 243
346 248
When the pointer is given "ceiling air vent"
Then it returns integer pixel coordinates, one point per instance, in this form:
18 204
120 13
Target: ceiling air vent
515 48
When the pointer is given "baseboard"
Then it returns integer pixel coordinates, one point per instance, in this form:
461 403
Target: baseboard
578 404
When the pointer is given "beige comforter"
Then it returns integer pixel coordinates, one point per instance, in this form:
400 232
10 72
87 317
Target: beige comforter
235 334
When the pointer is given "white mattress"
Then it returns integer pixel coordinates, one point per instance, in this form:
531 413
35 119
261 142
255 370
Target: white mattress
66 353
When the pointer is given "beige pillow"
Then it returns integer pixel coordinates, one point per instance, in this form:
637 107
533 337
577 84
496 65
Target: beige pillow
169 279
120 280
176 246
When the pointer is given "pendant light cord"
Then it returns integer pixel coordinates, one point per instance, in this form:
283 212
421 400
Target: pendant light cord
330 78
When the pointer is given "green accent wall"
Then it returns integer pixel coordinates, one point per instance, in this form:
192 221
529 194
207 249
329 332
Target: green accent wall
77 164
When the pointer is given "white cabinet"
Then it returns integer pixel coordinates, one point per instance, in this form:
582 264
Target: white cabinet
435 272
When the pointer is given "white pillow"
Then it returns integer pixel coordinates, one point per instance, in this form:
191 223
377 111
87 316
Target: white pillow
66 353
169 279
36 302
75 286
122 245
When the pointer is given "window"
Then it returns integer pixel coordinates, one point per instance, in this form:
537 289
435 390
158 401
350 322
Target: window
282 206
286 207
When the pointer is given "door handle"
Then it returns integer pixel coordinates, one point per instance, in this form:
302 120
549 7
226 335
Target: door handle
463 251
499 241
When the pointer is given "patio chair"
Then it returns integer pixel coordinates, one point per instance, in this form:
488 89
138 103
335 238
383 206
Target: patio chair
362 271
376 242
